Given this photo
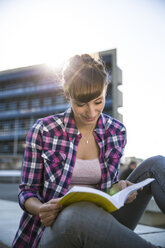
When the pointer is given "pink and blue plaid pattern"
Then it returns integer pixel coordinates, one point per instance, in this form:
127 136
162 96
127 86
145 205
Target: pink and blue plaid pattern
49 160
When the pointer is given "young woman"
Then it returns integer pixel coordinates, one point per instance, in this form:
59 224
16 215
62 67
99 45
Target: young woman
82 146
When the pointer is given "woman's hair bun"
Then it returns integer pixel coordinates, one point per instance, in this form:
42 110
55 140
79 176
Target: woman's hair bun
86 58
85 76
79 61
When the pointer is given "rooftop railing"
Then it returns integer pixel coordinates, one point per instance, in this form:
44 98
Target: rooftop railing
30 90
33 111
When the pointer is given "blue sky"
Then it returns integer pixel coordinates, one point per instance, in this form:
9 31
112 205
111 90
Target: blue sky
49 31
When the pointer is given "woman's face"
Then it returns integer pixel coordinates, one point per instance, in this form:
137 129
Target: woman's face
88 113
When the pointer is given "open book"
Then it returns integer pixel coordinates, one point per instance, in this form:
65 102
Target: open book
109 203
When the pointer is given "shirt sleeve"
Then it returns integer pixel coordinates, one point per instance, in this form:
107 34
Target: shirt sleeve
32 171
122 140
116 141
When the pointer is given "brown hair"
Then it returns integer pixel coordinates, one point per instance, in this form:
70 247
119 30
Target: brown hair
84 78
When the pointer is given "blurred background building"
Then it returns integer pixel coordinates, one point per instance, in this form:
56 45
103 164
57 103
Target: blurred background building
30 93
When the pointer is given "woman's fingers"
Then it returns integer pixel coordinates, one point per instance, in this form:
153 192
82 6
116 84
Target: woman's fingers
50 206
55 200
48 218
49 211
131 197
123 184
48 221
47 214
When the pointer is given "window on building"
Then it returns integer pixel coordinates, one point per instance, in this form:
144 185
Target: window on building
35 103
6 148
2 106
60 99
23 124
23 104
12 105
7 126
47 101
21 147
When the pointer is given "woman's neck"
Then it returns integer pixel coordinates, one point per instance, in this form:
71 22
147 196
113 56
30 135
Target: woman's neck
85 128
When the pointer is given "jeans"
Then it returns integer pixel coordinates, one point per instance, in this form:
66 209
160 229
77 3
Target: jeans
85 225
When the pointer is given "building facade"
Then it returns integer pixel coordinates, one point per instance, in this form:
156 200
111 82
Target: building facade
30 93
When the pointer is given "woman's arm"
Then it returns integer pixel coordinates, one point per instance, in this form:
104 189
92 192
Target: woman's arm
32 205
32 170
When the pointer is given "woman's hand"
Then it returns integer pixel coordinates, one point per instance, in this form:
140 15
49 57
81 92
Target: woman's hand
123 184
49 211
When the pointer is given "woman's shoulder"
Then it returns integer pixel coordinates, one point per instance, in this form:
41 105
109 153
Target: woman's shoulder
112 124
115 132
50 122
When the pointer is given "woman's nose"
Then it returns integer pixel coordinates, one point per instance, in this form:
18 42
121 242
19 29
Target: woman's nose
90 111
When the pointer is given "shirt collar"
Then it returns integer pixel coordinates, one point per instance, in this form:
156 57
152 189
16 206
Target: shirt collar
101 125
69 123
72 130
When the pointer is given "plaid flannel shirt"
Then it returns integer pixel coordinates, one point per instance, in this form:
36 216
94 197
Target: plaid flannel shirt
49 160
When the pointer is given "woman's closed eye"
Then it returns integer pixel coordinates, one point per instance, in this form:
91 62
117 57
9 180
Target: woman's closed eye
83 104
80 104
97 103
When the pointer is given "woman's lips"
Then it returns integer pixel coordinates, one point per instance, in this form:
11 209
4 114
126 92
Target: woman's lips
89 119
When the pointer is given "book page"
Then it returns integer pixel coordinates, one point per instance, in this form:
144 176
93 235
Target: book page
122 195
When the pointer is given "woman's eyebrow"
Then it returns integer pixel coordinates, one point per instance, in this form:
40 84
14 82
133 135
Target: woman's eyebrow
99 98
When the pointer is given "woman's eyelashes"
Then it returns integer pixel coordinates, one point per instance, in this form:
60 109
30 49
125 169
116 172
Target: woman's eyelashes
97 103
80 104
83 104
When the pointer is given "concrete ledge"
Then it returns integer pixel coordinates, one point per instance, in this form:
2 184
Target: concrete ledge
153 216
9 221
3 246
10 176
152 234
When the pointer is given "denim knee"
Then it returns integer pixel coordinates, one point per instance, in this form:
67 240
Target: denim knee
65 221
79 216
151 167
154 167
71 217
156 159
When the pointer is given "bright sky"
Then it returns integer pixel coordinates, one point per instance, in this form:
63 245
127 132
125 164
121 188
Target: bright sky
49 31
